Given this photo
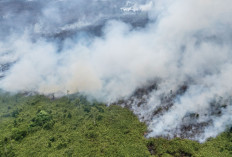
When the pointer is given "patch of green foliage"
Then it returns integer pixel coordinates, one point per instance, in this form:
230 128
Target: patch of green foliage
220 146
72 126
38 126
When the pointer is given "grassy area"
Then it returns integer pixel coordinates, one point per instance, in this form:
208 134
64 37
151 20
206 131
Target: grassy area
38 126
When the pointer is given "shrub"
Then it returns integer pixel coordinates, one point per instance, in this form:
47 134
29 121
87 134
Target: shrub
61 145
15 113
91 134
42 119
18 134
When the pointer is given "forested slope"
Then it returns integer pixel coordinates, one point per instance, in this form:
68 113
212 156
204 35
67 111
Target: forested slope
72 126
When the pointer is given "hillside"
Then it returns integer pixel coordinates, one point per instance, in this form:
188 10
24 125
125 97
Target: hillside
73 126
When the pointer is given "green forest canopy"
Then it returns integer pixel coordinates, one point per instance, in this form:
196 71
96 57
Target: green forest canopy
72 126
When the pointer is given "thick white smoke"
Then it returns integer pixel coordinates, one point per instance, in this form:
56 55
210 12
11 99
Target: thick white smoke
185 43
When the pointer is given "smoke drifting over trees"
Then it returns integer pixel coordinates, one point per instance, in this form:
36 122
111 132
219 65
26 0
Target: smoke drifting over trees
110 49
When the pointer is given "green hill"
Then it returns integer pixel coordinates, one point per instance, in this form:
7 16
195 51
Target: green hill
72 126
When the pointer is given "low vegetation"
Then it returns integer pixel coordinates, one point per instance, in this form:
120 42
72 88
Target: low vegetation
72 126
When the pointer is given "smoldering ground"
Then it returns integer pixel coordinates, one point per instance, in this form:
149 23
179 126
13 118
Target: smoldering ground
169 61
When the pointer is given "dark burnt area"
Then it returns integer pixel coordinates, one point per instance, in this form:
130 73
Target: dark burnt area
191 130
190 126
151 148
216 107
139 97
140 92
167 101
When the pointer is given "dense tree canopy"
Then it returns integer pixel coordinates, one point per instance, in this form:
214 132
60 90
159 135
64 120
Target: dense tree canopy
39 126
